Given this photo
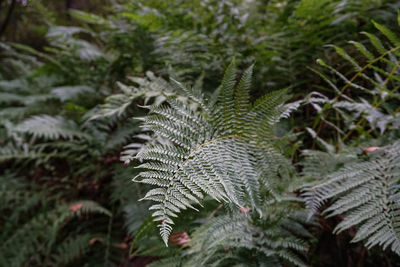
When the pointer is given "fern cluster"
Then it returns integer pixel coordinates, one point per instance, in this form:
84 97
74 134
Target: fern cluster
362 189
55 135
37 241
221 168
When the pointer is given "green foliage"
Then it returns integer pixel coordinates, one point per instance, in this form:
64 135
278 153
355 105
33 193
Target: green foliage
364 190
374 77
224 163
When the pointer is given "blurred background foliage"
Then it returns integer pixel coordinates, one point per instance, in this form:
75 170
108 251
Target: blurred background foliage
74 73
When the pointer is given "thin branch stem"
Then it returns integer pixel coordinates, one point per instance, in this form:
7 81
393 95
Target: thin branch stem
8 17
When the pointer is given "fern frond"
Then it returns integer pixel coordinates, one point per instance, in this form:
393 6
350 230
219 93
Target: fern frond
226 98
48 127
265 113
68 92
318 164
388 33
367 193
242 99
213 151
193 93
236 231
122 135
39 233
8 98
23 153
72 248
148 88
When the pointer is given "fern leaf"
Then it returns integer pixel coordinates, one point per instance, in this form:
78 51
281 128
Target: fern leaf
388 33
71 249
238 232
367 193
242 99
226 97
68 92
212 151
376 42
48 127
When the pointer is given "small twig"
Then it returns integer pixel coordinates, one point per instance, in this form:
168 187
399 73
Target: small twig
8 17
108 242
214 211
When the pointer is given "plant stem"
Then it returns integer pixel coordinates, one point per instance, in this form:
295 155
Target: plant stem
8 17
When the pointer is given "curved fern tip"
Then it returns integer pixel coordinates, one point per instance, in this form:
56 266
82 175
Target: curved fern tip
321 62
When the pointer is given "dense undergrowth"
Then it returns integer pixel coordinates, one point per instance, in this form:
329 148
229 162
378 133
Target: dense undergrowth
200 133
